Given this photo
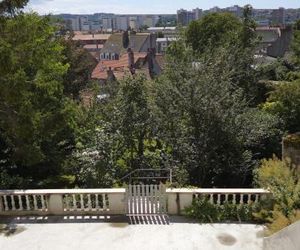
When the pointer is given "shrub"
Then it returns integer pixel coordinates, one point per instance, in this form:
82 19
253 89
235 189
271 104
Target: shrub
206 212
281 178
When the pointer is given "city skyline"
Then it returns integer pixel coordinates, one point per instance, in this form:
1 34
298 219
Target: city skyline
151 7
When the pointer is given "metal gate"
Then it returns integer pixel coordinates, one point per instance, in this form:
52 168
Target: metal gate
146 200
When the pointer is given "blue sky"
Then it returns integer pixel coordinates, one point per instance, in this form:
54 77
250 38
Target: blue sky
145 7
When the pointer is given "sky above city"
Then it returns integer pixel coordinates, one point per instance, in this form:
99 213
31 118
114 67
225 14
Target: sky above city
145 6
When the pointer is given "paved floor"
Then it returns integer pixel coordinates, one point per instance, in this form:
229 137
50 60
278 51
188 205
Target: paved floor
64 233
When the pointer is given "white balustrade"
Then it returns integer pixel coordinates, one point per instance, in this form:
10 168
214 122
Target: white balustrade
179 199
112 201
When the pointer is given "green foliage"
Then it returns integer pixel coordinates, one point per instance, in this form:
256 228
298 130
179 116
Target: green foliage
81 65
282 180
11 7
37 121
296 42
284 102
218 29
204 116
206 212
212 31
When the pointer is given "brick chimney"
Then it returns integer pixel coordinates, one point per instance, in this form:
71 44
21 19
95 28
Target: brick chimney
131 61
110 75
150 61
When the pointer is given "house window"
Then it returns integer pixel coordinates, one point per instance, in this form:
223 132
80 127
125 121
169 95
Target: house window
113 56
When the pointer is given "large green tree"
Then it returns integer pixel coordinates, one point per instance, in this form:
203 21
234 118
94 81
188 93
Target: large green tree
237 38
296 42
203 114
37 121
81 65
284 102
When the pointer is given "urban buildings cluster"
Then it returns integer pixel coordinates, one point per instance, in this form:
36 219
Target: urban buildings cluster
108 22
111 22
263 17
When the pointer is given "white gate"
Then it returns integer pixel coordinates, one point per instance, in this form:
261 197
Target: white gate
146 199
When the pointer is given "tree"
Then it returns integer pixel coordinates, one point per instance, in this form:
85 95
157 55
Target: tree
120 138
125 39
205 118
223 31
212 31
12 7
37 121
284 102
296 42
81 65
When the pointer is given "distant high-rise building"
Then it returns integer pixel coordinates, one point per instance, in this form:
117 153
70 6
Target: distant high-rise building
133 23
235 10
122 23
149 21
198 13
107 24
182 17
278 16
75 24
214 9
95 25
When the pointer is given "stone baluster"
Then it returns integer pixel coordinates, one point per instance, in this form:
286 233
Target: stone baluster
226 198
219 199
242 199
35 202
20 203
74 202
13 205
211 199
234 199
97 202
27 202
5 203
249 199
89 202
67 201
81 202
43 202
256 198
104 202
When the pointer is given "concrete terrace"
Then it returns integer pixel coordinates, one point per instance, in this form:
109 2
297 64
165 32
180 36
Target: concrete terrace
118 232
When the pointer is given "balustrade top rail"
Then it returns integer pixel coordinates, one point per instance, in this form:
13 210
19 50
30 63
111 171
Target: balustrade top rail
123 190
63 191
219 190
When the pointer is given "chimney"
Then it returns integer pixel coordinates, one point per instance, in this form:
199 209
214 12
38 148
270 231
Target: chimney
110 75
131 61
150 61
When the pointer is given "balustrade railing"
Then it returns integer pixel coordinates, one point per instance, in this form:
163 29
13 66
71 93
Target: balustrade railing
111 201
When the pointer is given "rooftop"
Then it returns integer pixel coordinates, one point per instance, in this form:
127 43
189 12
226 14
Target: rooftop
115 45
84 37
119 67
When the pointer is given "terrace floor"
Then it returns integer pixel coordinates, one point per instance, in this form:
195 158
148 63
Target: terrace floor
110 233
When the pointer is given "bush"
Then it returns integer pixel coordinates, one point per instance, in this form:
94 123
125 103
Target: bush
281 178
206 212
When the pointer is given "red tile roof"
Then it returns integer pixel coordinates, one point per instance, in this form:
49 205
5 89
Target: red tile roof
119 67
